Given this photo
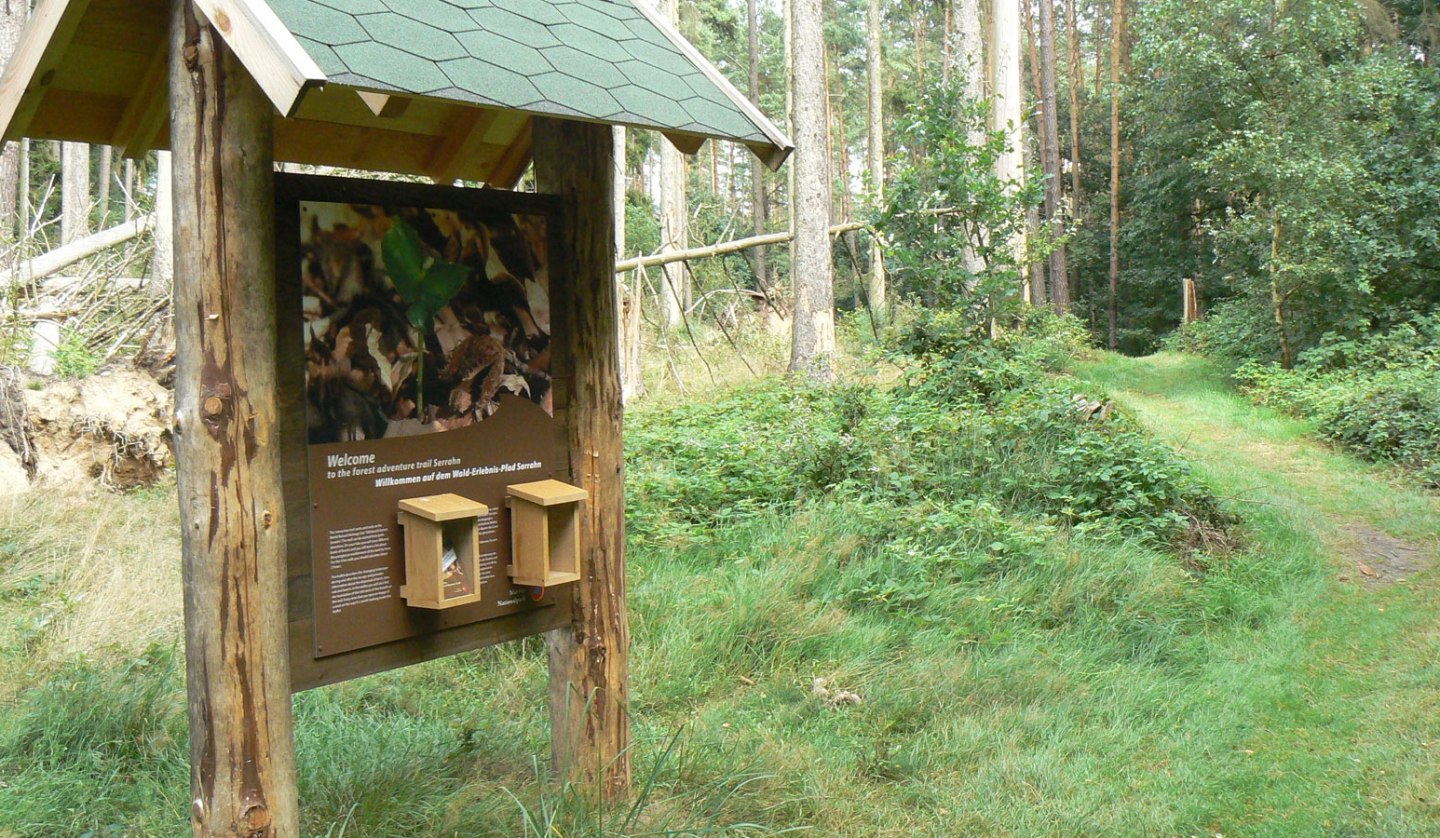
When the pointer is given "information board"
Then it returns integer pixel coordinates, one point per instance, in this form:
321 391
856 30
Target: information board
421 326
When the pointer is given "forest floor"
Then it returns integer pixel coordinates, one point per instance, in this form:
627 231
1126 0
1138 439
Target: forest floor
1293 689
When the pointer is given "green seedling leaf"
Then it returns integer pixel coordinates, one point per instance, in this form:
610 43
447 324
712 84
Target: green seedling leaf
404 259
441 282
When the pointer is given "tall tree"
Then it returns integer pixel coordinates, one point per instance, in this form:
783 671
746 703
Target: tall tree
813 338
1117 31
1034 144
626 297
1050 156
1099 44
22 190
1077 84
874 145
107 166
674 213
758 208
970 60
1007 113
970 51
162 260
12 20
74 191
840 159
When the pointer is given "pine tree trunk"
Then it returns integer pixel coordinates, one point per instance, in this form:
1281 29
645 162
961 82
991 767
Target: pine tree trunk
758 208
829 132
12 21
107 164
1036 267
227 431
1035 145
1277 298
847 211
1077 83
875 146
1099 46
1054 201
1032 43
631 383
713 151
1007 115
1117 32
590 659
946 42
162 259
788 9
969 51
129 189
674 214
813 339
74 191
919 18
22 190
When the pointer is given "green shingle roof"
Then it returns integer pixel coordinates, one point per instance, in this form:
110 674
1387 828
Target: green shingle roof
601 60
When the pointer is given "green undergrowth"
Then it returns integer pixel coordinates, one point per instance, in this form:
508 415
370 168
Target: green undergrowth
1379 396
1050 623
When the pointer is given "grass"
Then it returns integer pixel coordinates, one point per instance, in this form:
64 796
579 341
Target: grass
1260 456
1096 687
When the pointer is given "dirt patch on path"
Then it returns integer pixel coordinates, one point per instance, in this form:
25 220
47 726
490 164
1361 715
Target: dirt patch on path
1381 559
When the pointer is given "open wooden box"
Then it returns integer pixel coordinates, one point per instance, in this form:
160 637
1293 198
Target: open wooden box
442 551
545 532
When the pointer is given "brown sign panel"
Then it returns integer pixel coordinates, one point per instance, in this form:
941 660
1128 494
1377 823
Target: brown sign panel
416 360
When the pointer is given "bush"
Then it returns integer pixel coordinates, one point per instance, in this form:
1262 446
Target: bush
1234 332
74 357
973 420
757 447
1379 396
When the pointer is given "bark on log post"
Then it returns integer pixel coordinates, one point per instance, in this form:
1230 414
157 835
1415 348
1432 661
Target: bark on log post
589 659
242 752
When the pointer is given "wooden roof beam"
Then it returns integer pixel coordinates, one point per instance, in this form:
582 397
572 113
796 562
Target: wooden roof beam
516 159
772 156
148 109
689 144
384 105
43 44
461 143
267 48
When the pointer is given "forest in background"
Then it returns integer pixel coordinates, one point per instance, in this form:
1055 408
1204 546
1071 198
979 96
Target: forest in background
1281 154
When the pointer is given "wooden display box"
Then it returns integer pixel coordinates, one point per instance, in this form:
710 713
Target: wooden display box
442 551
545 532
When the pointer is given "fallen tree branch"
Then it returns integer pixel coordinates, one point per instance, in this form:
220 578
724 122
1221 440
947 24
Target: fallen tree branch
721 248
68 254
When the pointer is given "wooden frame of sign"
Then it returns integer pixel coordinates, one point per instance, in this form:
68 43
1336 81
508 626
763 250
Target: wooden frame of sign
431 634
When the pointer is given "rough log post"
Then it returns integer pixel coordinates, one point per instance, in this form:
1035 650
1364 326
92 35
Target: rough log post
590 659
242 751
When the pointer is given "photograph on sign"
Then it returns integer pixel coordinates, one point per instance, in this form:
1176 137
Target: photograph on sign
427 393
418 320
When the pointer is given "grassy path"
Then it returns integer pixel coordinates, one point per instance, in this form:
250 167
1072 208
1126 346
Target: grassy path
1345 696
1079 687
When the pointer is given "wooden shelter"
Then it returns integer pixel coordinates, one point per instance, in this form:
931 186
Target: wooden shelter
460 89
426 87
